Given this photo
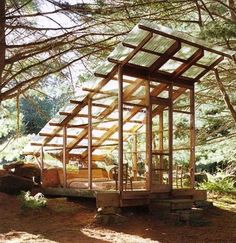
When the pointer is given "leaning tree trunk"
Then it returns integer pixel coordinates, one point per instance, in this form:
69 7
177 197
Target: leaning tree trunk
225 95
232 6
2 40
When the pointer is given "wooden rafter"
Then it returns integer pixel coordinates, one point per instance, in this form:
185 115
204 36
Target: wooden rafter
133 112
129 89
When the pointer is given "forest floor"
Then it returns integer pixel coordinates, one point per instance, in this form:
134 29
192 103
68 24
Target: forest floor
73 221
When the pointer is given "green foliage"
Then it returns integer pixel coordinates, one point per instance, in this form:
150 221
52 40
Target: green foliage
36 113
219 30
11 149
221 153
219 183
8 120
33 202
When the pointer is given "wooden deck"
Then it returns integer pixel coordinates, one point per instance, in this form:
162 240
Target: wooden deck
105 198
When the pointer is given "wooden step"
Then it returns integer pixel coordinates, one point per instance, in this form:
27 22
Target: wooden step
135 194
134 202
171 204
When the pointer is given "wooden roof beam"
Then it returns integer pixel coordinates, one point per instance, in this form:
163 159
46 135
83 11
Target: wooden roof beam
73 101
101 92
109 139
158 76
44 134
160 101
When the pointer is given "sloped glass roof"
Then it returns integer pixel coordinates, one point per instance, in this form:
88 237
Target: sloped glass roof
146 46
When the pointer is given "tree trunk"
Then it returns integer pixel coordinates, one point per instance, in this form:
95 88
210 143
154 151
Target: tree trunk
232 13
225 95
2 39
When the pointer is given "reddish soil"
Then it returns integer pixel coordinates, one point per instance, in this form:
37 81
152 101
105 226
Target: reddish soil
73 221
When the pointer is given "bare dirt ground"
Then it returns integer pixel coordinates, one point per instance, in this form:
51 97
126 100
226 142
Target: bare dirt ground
73 221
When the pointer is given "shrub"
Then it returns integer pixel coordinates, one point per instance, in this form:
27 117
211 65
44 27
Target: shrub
33 202
220 183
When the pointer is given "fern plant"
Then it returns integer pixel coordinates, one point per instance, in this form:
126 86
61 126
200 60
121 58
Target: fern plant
220 183
33 202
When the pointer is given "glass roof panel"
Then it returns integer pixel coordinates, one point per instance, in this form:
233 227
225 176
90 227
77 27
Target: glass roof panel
159 43
68 108
97 110
58 118
92 82
170 66
144 59
105 68
38 139
186 51
208 58
29 149
140 92
111 143
104 99
154 83
113 115
47 128
128 126
100 151
184 36
80 93
112 85
120 52
139 116
83 142
126 113
84 110
193 72
98 133
59 140
77 151
78 121
115 135
72 131
135 36
107 124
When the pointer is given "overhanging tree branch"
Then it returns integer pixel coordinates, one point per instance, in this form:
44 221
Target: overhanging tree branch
225 95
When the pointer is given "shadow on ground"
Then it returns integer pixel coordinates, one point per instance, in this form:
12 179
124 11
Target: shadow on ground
73 221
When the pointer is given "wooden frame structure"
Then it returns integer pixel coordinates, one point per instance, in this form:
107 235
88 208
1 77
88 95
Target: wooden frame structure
136 91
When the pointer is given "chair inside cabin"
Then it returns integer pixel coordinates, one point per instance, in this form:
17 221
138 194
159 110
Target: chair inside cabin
179 174
127 176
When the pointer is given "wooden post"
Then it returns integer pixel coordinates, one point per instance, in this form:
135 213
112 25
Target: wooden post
64 158
135 155
42 163
171 136
120 130
149 134
90 137
161 145
192 138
